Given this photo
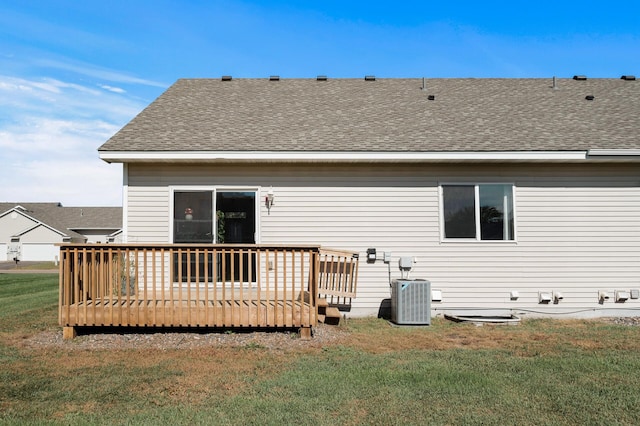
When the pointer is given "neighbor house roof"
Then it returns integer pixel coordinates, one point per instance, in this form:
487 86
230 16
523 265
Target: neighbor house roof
202 118
67 219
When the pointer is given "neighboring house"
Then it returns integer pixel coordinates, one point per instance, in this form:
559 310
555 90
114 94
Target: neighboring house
511 194
30 231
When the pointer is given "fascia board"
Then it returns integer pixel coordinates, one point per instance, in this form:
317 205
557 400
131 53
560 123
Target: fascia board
318 156
613 153
92 228
17 209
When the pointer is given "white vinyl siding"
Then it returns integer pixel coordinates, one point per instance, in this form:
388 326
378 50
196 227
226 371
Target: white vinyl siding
578 226
40 252
12 224
95 235
41 234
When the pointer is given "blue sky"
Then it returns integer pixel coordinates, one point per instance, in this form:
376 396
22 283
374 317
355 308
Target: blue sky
73 72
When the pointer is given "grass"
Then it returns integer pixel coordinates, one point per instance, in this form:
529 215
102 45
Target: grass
541 372
28 301
36 266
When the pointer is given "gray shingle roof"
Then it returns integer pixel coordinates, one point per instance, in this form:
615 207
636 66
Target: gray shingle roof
386 115
66 219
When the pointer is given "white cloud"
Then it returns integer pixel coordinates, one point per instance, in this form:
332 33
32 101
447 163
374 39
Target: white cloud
112 89
72 181
95 72
50 131
49 85
53 137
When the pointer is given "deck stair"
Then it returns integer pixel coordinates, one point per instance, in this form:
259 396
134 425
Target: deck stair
328 314
337 279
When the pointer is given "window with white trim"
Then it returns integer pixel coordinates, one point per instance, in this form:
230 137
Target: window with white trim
481 212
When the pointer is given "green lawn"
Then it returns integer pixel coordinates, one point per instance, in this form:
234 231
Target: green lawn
28 300
541 372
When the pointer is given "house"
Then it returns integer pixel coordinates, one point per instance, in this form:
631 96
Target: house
30 231
517 195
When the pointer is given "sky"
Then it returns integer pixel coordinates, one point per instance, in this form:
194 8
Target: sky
72 73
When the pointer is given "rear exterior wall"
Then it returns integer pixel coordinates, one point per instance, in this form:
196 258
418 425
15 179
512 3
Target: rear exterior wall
577 227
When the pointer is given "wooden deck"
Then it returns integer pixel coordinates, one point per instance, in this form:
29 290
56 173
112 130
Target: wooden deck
190 313
200 285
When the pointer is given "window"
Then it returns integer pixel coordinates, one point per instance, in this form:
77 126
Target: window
478 212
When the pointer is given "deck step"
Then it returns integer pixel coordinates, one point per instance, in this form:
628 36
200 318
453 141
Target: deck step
327 314
333 312
332 316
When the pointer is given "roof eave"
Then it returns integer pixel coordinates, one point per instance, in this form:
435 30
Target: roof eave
614 154
340 156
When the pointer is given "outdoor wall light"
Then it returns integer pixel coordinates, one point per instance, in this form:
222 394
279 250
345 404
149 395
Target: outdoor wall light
268 200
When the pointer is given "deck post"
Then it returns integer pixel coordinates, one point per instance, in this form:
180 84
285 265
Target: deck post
305 333
69 333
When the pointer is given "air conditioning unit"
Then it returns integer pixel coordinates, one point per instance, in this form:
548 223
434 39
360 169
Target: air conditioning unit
411 302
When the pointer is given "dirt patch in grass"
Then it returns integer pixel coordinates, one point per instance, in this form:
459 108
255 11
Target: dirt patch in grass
532 337
175 367
441 335
167 377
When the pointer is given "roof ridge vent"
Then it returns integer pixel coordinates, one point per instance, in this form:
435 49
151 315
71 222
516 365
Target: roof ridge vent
321 78
369 78
628 77
274 78
226 78
580 77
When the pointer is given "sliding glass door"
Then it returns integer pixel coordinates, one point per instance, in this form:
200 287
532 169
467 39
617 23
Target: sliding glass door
234 222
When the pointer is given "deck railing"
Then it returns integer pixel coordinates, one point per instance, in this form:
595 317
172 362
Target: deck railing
337 276
181 285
